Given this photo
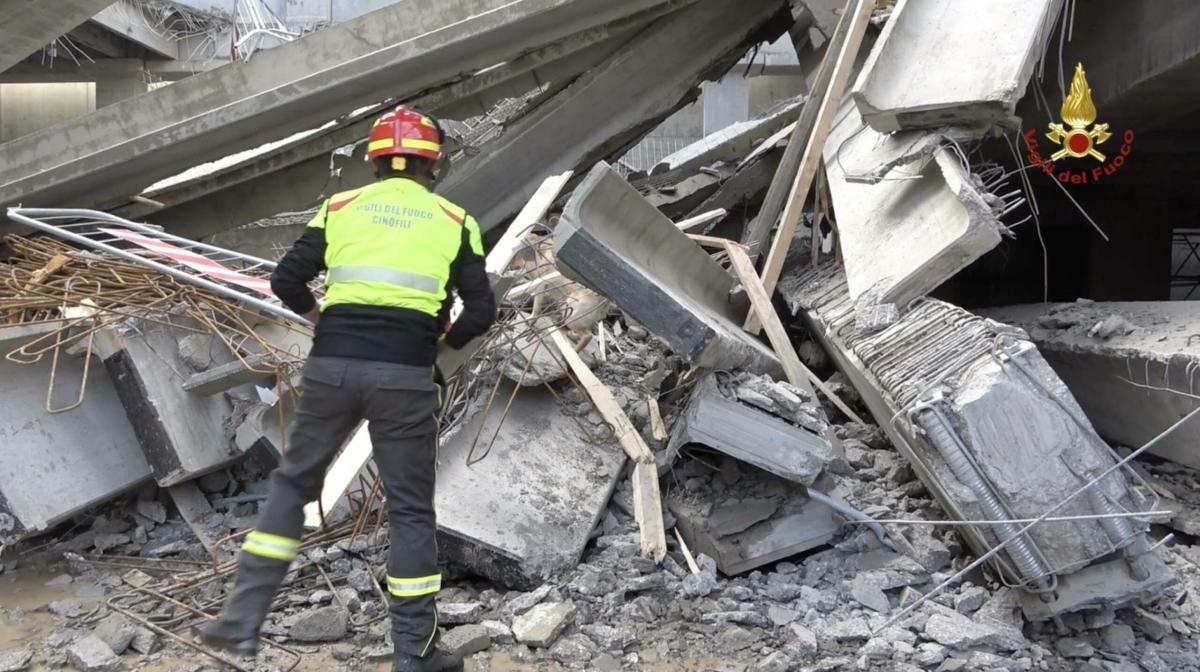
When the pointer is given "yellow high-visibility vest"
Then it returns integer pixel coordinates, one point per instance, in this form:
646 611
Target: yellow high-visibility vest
391 244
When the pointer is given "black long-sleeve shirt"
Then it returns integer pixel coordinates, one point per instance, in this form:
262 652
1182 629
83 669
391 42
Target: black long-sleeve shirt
381 333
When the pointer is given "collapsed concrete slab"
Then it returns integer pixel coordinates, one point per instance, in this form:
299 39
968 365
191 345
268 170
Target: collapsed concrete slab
973 73
994 434
26 27
612 240
903 231
1132 366
84 456
610 107
745 518
525 511
181 433
266 180
746 424
396 50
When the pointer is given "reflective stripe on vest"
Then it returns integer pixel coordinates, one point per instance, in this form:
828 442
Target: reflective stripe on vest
390 276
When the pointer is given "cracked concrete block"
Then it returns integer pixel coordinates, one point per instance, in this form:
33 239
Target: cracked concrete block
540 626
467 640
901 238
182 434
90 654
762 519
217 379
794 452
1132 383
612 240
973 73
526 511
85 455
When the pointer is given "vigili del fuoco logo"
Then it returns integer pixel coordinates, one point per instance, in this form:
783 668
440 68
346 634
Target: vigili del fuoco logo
1073 139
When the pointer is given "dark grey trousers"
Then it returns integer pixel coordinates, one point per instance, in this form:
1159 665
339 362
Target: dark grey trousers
401 405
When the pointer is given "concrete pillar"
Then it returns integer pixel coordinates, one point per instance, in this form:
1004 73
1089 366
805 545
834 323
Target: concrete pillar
726 101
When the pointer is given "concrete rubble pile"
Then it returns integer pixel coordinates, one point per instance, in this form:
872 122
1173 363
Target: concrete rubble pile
630 477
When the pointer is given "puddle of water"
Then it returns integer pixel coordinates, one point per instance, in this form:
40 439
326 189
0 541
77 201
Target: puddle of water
26 590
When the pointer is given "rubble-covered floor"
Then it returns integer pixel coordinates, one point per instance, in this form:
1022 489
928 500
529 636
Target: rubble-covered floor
819 610
667 489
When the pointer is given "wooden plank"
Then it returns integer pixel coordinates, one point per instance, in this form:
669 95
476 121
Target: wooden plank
812 153
687 552
533 286
647 510
701 219
606 403
506 248
647 500
657 428
712 241
797 373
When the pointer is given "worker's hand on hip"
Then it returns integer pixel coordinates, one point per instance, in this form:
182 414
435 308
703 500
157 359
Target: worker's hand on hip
313 316
442 348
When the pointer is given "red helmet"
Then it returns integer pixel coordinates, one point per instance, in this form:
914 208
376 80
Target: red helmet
404 131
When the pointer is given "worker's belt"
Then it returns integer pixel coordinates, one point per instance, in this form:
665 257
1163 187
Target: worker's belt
421 585
391 276
271 546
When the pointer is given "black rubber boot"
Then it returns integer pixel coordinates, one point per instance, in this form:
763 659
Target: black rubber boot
439 660
236 629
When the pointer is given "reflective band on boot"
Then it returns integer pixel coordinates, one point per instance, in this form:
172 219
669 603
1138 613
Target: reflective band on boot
271 546
422 585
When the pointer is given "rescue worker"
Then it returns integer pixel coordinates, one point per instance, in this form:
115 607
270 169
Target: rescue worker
391 252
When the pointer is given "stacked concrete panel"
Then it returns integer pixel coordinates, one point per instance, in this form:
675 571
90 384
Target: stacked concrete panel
994 434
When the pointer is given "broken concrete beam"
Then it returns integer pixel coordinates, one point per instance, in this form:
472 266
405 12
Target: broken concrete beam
1131 365
181 434
261 435
677 199
973 73
396 50
901 238
994 434
756 520
794 448
729 144
255 369
525 512
610 239
84 456
607 109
